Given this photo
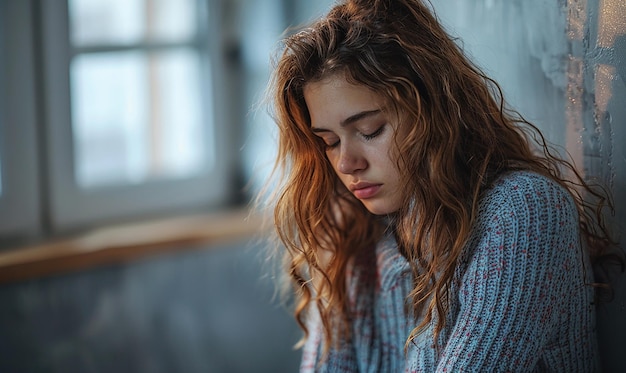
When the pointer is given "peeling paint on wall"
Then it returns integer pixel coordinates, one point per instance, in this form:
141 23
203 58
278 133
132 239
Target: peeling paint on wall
574 125
576 17
611 22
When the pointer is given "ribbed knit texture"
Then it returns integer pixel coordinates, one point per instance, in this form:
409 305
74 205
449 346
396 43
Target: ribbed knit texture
520 299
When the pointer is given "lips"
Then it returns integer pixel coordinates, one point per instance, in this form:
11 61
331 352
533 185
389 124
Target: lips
363 190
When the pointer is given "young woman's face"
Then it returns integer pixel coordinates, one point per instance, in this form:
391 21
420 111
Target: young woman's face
359 140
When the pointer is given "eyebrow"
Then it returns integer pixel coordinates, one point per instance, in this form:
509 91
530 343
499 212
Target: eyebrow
351 119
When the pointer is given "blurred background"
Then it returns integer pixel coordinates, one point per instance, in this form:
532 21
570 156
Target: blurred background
118 112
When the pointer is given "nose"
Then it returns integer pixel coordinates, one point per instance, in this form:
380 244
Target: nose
351 160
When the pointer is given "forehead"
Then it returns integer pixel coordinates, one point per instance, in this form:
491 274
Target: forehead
333 99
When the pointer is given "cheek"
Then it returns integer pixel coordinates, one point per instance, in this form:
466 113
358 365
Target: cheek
332 160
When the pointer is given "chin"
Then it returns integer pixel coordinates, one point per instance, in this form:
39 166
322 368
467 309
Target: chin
379 208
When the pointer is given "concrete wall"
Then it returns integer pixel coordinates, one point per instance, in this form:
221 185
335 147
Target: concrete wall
562 64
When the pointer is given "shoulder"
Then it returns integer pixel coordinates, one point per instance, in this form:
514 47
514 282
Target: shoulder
524 219
526 223
524 184
522 193
525 180
529 215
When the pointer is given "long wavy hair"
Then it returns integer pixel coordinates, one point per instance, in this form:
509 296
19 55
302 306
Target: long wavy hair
457 138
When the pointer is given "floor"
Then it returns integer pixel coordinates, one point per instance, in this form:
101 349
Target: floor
205 310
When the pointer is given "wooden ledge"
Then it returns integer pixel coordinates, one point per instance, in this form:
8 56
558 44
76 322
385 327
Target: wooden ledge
116 244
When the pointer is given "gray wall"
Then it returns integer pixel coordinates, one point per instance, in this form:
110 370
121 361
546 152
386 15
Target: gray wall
562 64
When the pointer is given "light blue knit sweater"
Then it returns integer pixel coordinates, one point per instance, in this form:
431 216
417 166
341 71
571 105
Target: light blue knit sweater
519 299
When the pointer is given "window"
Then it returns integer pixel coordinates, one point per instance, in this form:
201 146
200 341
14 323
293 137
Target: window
130 108
113 111
135 74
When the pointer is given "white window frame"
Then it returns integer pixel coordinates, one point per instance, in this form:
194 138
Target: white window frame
70 206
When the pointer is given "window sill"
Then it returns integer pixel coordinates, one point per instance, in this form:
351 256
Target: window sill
118 244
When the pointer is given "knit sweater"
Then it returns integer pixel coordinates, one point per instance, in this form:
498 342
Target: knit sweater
519 300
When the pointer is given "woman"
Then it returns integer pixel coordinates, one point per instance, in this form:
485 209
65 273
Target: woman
423 227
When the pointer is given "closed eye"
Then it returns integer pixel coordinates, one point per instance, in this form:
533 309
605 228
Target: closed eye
328 142
374 134
331 146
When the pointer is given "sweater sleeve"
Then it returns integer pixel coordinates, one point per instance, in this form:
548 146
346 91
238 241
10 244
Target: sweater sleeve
525 263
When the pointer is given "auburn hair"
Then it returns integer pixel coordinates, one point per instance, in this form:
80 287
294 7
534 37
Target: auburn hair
457 138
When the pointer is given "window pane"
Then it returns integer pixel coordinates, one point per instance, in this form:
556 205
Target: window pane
131 21
137 116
